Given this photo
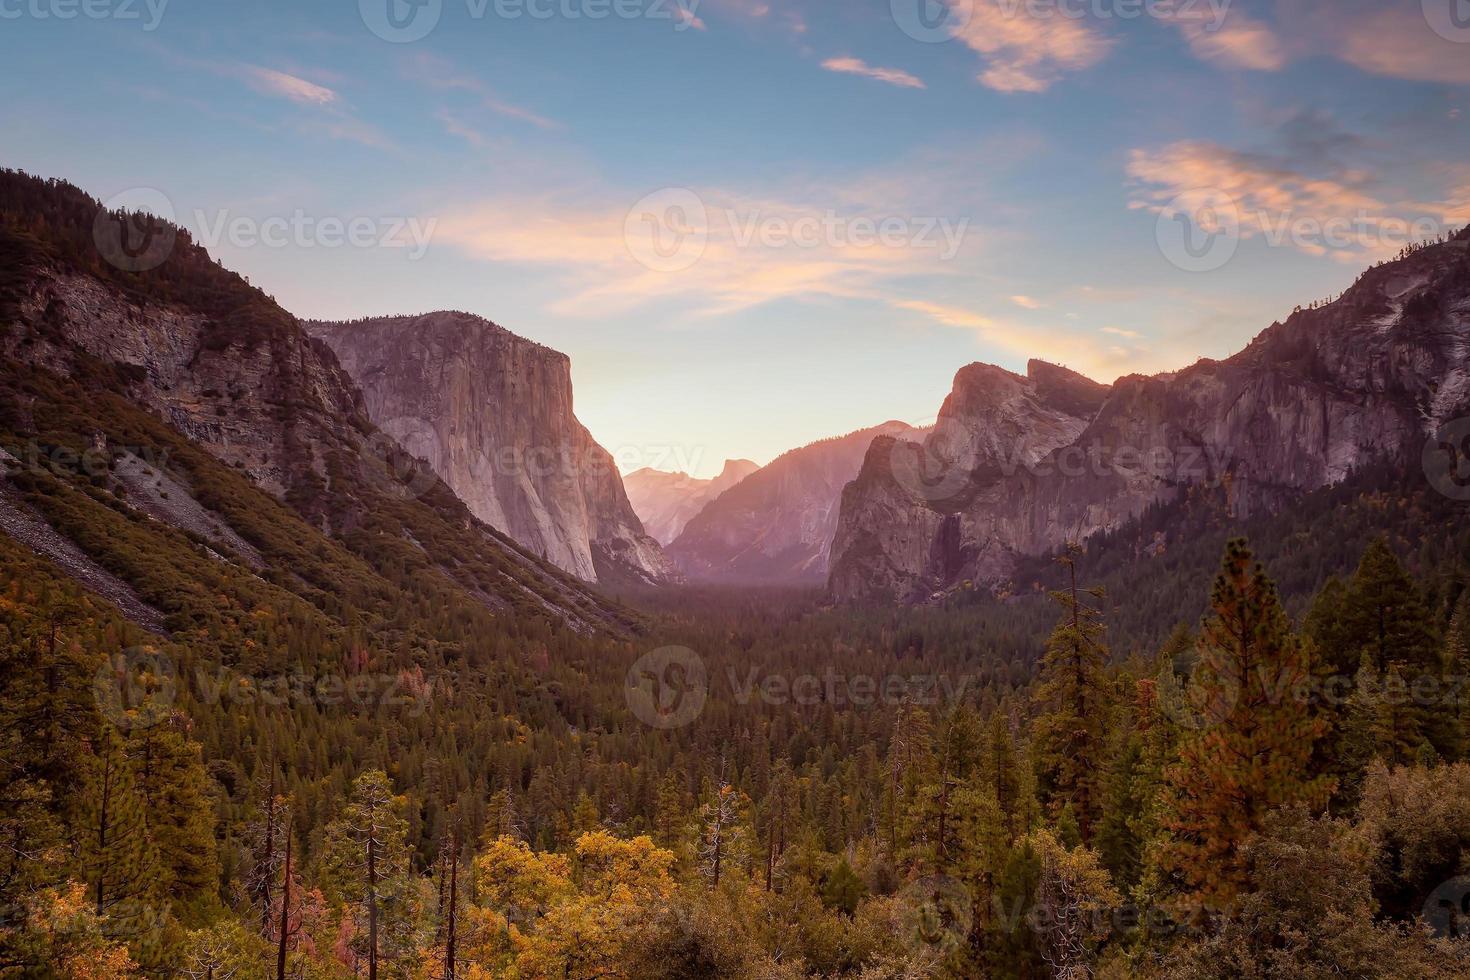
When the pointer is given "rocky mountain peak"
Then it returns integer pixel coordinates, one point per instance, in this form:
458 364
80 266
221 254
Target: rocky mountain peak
492 414
1020 466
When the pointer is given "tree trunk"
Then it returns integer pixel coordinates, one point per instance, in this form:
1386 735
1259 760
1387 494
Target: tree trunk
285 913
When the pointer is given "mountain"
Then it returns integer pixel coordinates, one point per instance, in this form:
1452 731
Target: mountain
1018 466
776 525
224 448
491 413
666 501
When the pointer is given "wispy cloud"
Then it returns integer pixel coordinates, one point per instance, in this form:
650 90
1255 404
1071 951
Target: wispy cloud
1077 349
1028 53
273 82
439 73
856 66
1026 302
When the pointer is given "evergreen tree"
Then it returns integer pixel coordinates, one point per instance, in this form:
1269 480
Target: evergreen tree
1069 739
1254 752
118 857
367 864
1384 614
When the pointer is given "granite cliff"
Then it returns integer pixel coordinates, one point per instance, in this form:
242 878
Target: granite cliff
491 413
1021 466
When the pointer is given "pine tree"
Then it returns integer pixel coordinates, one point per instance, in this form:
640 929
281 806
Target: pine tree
172 782
367 863
118 857
780 801
1383 613
1069 739
1256 746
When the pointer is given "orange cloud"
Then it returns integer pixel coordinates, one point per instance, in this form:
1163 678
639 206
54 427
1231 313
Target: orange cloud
1232 39
1025 52
1320 215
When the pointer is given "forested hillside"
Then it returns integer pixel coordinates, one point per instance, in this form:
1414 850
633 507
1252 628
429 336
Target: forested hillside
281 719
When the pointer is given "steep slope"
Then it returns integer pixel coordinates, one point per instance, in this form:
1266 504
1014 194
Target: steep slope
201 408
666 501
1365 378
491 413
776 525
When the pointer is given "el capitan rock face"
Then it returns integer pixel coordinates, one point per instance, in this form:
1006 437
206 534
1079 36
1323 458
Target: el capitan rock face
491 412
1021 466
776 525
666 501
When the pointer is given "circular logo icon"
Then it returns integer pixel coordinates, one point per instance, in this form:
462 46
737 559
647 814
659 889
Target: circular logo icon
1199 231
932 21
666 687
1447 909
400 21
1197 706
925 474
398 448
1446 459
135 689
135 230
667 231
936 912
1450 19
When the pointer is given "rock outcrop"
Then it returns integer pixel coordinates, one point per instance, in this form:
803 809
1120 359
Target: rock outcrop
776 525
189 372
666 501
1021 466
491 413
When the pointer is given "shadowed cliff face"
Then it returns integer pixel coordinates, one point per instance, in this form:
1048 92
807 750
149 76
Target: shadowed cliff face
491 413
776 525
1020 466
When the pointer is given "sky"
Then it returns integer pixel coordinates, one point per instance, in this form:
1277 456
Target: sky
752 224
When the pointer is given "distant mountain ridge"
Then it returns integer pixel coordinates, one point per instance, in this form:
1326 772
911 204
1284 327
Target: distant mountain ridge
666 501
492 414
776 525
1018 466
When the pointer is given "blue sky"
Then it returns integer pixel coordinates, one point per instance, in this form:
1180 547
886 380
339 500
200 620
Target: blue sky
687 200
